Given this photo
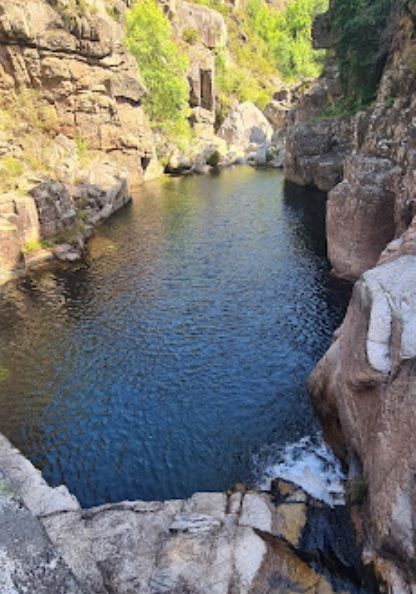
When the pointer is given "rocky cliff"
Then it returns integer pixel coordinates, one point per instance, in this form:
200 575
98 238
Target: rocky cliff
367 161
364 387
73 133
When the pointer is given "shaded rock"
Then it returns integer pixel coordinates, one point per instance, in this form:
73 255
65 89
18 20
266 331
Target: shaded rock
178 164
276 113
360 215
66 253
55 209
315 153
322 34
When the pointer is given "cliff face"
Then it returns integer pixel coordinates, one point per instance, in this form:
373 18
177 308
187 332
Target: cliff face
364 388
78 64
73 132
372 155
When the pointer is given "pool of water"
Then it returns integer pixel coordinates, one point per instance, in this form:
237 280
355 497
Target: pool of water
178 353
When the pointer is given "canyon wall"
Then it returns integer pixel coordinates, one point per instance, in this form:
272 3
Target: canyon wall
367 161
73 132
364 388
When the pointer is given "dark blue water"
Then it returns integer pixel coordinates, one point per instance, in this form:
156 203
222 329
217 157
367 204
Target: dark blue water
164 365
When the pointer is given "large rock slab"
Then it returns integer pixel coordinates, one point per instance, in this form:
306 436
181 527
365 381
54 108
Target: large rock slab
365 392
212 543
28 560
360 215
80 68
245 125
315 153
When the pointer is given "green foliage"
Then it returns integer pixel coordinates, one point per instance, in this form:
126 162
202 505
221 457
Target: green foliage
264 44
4 374
359 26
214 159
190 35
82 147
34 246
287 35
11 167
356 491
163 65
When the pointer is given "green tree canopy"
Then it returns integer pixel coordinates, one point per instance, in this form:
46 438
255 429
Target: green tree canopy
163 66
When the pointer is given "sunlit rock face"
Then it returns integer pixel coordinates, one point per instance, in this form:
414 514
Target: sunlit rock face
80 67
364 390
76 66
360 215
246 125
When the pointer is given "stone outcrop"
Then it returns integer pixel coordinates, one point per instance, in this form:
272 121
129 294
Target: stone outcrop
209 23
315 153
213 543
364 391
372 155
71 68
360 215
245 125
80 68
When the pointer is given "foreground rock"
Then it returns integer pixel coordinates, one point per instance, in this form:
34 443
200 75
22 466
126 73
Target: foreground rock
364 390
213 543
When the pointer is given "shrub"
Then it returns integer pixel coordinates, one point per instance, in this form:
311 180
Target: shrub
356 491
163 65
12 167
190 35
4 374
34 245
288 35
361 47
214 159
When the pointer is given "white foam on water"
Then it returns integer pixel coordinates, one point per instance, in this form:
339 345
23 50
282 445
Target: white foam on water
309 464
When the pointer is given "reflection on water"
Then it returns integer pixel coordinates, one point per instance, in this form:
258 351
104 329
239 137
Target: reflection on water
181 348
